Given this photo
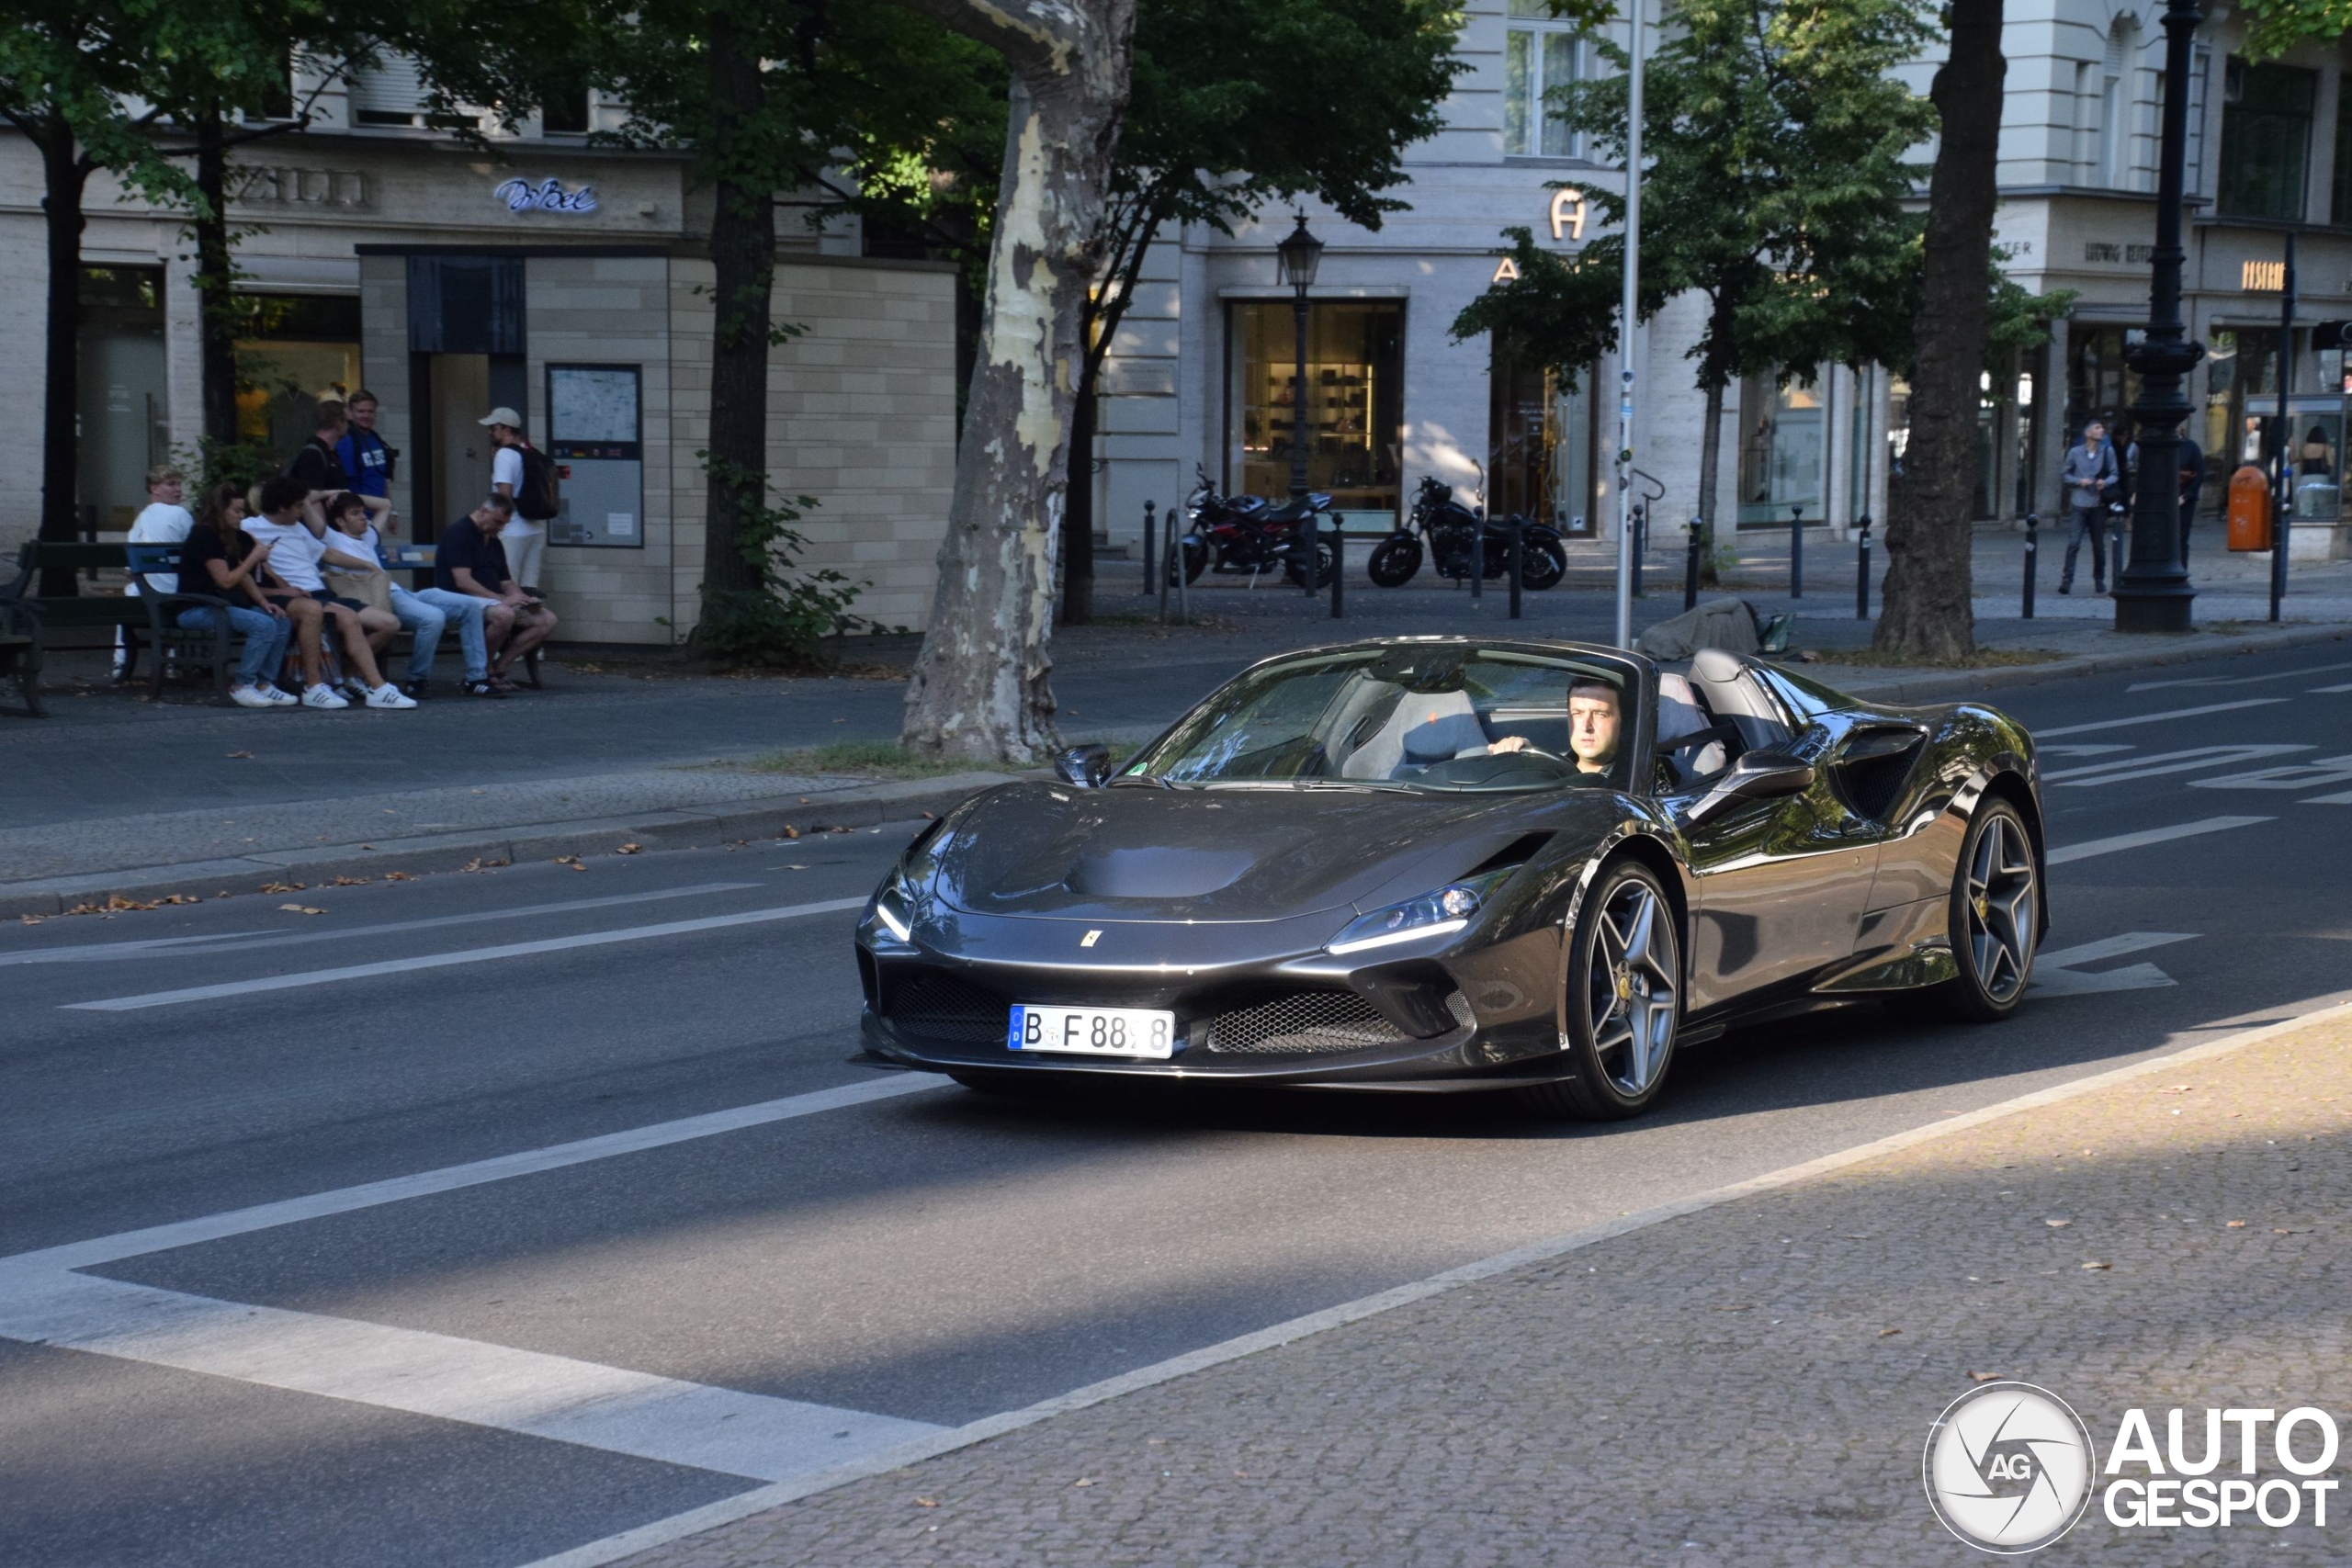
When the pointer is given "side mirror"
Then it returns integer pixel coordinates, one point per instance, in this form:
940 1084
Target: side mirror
1084 767
1762 774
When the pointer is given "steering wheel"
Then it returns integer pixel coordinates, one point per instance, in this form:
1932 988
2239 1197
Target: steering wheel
1537 752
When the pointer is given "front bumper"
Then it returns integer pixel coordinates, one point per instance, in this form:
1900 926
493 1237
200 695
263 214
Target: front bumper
1255 1002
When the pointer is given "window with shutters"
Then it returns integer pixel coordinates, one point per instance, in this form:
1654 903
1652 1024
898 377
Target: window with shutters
390 92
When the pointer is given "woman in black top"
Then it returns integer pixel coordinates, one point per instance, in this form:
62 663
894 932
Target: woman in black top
217 561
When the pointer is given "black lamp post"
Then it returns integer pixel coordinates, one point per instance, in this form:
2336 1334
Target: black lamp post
2152 593
1299 253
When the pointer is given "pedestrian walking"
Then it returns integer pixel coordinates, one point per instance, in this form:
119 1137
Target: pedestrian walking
2092 477
2192 485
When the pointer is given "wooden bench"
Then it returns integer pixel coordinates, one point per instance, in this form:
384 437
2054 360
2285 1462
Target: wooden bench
146 619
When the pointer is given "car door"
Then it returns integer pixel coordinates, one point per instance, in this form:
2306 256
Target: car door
1782 882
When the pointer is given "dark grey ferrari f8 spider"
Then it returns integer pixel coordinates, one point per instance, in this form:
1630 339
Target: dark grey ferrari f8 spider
1463 864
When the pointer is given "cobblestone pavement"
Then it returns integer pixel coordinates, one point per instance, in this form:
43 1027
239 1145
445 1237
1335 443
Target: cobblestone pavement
1749 1384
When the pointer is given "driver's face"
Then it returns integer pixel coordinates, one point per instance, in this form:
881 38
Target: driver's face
1593 724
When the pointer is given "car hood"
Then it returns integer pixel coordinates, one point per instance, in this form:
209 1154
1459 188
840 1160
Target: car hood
1051 851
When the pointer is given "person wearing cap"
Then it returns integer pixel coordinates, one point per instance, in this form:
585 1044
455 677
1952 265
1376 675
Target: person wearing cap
524 540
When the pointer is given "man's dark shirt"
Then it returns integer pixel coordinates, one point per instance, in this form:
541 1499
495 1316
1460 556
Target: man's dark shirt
203 544
463 545
318 467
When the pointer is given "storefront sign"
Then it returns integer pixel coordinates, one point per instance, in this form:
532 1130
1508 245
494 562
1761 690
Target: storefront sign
2263 278
288 187
1506 271
1568 213
548 195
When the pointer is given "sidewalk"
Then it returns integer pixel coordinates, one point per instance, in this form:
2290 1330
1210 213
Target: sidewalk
1751 1383
115 796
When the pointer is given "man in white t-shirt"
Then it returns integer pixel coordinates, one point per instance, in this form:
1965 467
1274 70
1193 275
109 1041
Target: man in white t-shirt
163 521
526 540
297 587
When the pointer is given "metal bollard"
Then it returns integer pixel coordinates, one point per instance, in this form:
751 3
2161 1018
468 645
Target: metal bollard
1640 545
1796 552
1518 559
1863 572
1478 564
1183 589
1691 570
2032 553
1150 542
1338 566
1174 549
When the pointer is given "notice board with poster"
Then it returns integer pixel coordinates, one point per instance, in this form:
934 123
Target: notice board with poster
595 438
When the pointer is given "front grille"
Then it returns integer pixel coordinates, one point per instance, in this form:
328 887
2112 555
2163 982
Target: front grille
1300 1024
942 1007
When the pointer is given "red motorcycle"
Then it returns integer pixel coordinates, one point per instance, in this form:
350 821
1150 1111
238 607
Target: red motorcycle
1244 533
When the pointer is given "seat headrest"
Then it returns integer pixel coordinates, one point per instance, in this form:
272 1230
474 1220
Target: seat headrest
1714 664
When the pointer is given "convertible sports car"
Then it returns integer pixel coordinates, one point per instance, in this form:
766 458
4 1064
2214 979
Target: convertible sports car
1450 862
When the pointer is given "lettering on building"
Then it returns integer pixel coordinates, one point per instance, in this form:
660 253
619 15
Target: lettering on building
2263 278
548 195
2134 255
289 186
1568 213
1506 271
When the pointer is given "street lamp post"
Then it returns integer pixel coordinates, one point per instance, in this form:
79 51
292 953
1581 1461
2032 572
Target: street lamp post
1298 255
2152 593
1628 310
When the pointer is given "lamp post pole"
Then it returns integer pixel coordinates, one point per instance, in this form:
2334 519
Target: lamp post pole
2152 593
1627 308
1297 256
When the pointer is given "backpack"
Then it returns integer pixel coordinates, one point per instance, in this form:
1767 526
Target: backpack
537 499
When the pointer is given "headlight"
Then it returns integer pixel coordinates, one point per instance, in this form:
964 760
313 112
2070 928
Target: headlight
890 920
1447 909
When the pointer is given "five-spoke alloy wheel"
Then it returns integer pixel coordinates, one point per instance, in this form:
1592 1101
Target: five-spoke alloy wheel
1623 998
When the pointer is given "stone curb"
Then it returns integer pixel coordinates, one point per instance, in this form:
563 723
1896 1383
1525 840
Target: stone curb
866 807
1943 686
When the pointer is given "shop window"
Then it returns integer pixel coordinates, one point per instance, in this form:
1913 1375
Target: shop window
2099 385
1353 404
1779 450
125 414
2266 139
1540 53
1540 436
292 351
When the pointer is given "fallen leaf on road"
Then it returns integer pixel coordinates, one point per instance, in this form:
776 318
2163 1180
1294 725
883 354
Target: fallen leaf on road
2276 1230
246 756
926 1502
2234 1224
179 899
28 919
2176 1088
789 831
629 849
1084 1481
2098 1264
929 818
2057 1224
349 880
571 861
398 876
283 887
1884 1333
1985 1377
301 910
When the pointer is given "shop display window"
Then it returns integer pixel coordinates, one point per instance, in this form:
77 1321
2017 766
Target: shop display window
1352 402
292 351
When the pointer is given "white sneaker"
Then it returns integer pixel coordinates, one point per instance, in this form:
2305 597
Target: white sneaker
355 688
249 697
324 697
276 698
389 696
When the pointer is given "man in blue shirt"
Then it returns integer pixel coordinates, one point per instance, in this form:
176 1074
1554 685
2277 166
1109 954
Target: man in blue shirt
368 461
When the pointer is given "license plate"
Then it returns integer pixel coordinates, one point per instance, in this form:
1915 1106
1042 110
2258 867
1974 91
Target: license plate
1093 1031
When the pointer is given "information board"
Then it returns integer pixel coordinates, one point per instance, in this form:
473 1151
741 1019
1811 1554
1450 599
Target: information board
595 439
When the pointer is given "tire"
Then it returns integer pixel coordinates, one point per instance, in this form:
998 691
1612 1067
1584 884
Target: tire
1327 564
1394 562
1996 922
1196 560
1541 564
1624 1001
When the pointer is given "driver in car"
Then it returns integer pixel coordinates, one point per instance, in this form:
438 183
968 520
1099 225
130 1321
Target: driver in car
1595 721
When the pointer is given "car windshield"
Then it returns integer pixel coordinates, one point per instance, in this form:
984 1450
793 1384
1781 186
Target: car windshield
1445 717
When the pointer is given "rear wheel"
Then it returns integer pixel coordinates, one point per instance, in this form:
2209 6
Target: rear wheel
1996 919
1327 562
1394 562
1623 1003
1542 563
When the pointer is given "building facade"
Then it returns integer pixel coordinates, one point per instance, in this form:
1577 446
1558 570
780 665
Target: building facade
566 280
1201 378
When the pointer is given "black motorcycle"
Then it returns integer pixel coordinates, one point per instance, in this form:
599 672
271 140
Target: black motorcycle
1452 530
1244 533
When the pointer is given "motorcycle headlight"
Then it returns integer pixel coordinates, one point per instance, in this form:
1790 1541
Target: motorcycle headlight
1437 913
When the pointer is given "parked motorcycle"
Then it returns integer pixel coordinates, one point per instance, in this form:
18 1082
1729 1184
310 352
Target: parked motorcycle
1451 529
1244 533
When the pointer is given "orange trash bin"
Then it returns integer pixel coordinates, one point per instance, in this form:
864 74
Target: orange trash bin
2249 511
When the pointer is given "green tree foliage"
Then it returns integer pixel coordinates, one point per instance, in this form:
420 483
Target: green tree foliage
1777 141
2275 27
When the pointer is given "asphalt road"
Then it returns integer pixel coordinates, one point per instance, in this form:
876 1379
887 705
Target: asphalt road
493 1365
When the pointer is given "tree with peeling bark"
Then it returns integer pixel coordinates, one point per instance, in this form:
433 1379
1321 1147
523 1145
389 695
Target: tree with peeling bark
1777 140
981 687
1926 614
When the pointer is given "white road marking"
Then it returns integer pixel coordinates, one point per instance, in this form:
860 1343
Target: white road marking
2242 679
2316 774
473 1173
2344 799
2084 749
2090 847
629 1542
2329 691
248 940
2157 718
469 955
539 1395
2196 758
2055 975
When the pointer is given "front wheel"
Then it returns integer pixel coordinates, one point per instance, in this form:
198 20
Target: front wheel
1195 556
1394 562
1624 1001
1996 922
1326 563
